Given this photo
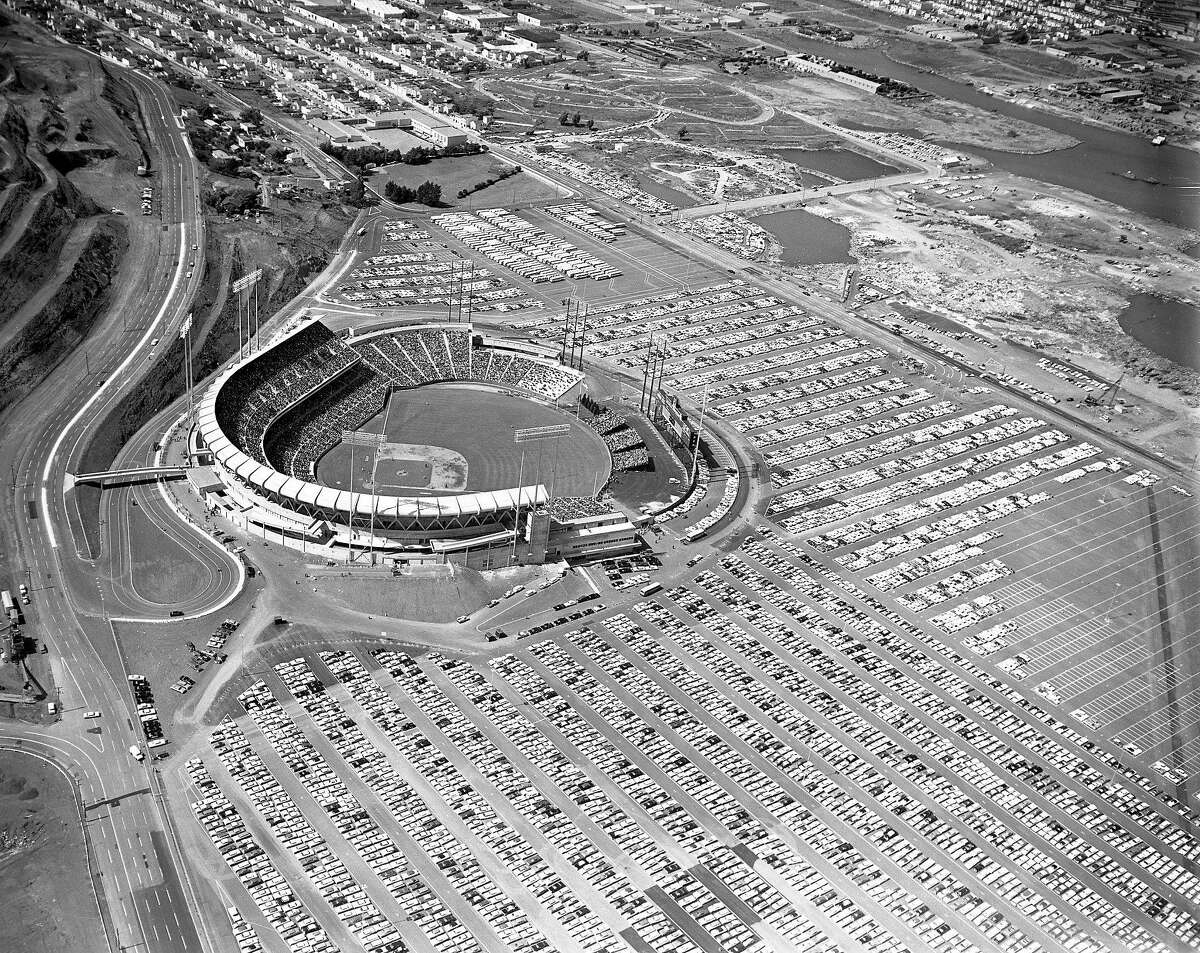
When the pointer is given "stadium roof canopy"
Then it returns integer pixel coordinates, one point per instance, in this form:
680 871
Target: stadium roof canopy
232 459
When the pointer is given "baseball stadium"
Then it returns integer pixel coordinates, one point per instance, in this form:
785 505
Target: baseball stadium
416 442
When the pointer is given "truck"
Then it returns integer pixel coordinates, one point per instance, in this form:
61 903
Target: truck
11 612
136 752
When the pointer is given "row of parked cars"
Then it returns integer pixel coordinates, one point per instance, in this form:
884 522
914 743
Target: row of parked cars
609 846
804 653
972 469
292 831
274 897
840 409
853 463
1099 780
522 247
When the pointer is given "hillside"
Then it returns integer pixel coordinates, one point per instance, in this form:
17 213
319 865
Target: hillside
65 134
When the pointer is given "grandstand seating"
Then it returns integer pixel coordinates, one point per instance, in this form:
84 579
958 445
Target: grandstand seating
262 389
311 429
257 406
565 508
637 459
607 422
425 355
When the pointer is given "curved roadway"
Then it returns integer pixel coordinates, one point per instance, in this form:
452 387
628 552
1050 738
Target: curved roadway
146 904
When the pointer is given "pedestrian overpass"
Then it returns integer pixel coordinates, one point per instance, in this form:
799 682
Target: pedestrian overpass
125 476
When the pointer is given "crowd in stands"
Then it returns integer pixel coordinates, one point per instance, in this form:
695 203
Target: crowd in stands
424 355
254 396
257 407
563 509
623 441
315 426
607 421
637 459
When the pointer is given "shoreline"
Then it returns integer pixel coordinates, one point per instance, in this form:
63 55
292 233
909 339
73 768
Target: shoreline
1192 145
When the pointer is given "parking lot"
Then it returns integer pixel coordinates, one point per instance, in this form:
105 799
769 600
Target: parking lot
940 697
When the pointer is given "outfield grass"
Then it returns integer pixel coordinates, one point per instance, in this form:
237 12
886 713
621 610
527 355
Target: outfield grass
478 423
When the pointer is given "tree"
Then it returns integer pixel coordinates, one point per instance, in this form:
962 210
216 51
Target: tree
398 193
683 131
429 193
252 115
564 119
576 120
354 193
591 123
232 201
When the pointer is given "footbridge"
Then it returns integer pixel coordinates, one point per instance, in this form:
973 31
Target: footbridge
126 475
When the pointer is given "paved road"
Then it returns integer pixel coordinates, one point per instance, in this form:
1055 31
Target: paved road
759 202
145 902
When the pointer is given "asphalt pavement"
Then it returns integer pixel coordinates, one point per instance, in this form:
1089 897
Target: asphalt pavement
145 894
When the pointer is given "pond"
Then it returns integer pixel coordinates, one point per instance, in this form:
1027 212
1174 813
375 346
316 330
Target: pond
1166 326
808 239
664 192
844 163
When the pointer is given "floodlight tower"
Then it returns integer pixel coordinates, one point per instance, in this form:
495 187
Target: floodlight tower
186 337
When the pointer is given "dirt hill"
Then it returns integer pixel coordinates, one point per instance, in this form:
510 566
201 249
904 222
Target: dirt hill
64 129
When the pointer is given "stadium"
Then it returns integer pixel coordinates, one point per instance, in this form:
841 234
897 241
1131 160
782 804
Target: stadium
415 442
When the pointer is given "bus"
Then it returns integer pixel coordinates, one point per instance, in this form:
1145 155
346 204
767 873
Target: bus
651 589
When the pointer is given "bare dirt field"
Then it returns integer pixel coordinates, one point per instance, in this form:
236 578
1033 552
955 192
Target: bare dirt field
43 874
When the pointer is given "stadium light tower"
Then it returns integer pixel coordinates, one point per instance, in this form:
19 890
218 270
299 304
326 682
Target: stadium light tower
245 283
699 435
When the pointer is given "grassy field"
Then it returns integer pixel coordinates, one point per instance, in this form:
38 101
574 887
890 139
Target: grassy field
464 172
163 570
477 424
43 874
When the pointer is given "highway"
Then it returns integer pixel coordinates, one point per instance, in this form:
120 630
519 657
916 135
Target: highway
145 895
